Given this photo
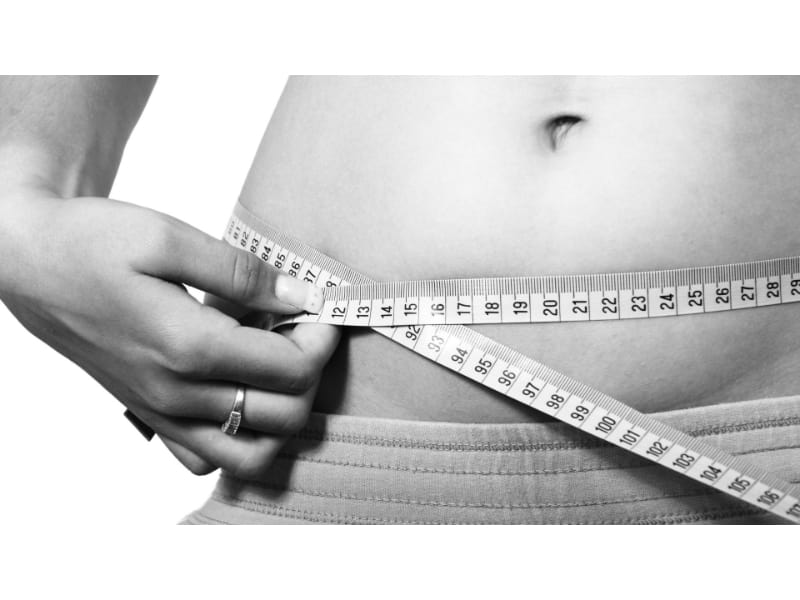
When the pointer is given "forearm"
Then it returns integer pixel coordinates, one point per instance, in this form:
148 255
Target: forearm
66 135
60 137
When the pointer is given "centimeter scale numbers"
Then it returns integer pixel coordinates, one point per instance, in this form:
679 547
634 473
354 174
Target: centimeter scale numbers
505 370
563 299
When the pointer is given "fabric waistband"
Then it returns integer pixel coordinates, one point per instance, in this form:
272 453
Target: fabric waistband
343 469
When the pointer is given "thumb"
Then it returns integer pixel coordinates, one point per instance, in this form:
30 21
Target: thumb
235 275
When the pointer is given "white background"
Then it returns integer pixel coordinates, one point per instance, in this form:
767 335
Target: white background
81 490
69 454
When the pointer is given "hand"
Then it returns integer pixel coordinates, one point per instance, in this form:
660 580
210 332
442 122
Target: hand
101 282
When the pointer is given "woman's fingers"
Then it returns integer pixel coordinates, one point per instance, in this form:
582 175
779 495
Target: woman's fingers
199 343
288 365
284 362
267 412
238 276
205 355
247 454
226 306
187 458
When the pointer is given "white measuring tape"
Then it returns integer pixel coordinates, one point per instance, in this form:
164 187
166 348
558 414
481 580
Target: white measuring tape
564 298
426 317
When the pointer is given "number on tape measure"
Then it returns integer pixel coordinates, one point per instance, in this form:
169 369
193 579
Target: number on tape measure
427 317
648 294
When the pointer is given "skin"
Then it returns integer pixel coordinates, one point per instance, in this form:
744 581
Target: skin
459 177
394 165
106 288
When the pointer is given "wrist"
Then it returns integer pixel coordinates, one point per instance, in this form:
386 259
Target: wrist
22 213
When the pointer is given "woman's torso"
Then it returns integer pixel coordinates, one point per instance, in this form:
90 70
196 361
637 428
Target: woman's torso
410 178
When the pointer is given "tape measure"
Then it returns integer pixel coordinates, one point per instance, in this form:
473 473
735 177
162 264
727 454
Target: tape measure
561 299
424 316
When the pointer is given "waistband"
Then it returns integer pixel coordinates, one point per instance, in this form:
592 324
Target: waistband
344 469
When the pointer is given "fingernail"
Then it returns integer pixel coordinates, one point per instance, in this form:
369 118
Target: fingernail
301 294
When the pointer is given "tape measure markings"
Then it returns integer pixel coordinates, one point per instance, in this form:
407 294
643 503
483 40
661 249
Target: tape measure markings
613 296
521 378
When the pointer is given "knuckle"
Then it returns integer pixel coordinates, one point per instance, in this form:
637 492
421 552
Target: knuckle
173 347
197 362
303 376
301 381
165 401
246 278
161 240
186 353
182 361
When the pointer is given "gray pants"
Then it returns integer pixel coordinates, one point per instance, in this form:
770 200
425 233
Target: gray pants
359 470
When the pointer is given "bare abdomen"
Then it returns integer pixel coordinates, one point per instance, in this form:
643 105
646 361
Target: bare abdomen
418 178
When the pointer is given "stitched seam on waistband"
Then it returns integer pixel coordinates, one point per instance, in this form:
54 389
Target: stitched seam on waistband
565 471
746 426
418 502
677 519
367 440
387 467
326 517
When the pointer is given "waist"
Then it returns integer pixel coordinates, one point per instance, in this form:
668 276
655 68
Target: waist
344 469
651 365
385 175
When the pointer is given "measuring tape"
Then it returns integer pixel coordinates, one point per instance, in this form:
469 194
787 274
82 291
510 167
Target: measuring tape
563 299
424 317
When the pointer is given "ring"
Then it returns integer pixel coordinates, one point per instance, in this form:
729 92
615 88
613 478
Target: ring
231 426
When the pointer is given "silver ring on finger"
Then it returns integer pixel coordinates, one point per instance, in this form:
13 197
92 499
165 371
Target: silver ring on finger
231 425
